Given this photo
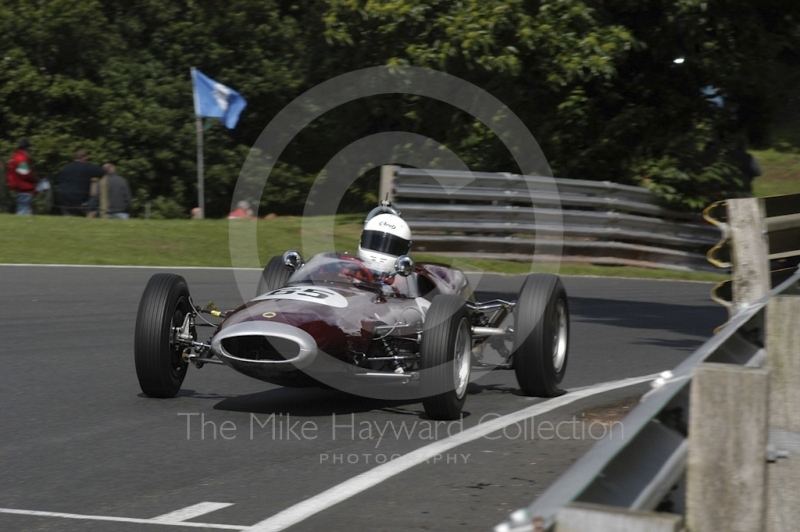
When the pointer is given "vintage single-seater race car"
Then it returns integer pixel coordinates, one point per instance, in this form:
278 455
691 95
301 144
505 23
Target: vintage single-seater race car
333 322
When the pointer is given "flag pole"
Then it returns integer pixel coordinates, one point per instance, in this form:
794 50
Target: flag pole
201 203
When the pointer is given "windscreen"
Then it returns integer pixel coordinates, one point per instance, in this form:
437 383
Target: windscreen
328 268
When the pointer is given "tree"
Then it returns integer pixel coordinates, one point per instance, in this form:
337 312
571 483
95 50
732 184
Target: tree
113 78
595 80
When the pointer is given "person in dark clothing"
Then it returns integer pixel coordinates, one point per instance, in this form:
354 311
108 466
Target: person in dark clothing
748 166
74 184
119 194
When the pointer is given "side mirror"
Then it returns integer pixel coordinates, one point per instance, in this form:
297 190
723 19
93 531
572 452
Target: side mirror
292 260
404 265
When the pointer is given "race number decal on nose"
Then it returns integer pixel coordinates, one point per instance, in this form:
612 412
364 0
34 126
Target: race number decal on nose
323 296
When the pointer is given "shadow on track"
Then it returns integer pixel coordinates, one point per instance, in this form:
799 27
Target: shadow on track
312 402
690 320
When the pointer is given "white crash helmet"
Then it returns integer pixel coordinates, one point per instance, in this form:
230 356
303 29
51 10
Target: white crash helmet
384 238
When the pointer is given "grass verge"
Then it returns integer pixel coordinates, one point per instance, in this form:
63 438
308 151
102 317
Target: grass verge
57 240
780 160
780 173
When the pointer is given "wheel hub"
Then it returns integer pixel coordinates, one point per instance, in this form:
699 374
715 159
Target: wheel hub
461 359
559 336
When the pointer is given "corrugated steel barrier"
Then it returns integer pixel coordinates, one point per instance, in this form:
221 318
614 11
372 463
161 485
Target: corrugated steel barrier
513 216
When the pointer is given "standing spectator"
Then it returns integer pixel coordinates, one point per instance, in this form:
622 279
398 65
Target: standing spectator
119 194
242 212
74 183
21 177
748 166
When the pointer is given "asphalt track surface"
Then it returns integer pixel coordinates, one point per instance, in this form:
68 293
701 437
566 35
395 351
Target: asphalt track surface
78 437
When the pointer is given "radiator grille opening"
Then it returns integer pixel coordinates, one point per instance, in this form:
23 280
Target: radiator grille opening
258 347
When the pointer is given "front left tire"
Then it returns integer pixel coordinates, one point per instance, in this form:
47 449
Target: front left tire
541 335
274 276
164 305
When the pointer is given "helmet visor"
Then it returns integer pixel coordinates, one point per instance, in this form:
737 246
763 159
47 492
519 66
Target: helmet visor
385 243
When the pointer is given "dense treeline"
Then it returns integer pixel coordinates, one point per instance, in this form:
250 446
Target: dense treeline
595 80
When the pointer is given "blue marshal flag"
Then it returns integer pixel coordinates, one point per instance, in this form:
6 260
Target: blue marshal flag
215 100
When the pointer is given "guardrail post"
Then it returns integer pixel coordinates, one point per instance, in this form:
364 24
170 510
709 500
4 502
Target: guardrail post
726 466
582 517
387 182
749 250
783 358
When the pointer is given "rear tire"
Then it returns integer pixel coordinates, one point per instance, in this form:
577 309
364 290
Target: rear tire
541 335
445 357
159 363
274 276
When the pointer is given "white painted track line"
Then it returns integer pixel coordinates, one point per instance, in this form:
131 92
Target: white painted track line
190 512
303 510
120 519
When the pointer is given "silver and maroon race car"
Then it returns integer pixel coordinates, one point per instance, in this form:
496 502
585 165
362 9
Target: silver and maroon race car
331 322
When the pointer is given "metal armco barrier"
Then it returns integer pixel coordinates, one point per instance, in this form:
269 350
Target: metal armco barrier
513 216
642 459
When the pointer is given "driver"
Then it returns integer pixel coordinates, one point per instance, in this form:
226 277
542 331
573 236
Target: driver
385 237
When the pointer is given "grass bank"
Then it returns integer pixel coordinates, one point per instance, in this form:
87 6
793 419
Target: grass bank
780 160
57 240
780 172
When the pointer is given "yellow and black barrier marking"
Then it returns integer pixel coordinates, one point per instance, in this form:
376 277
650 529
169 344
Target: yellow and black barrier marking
782 224
720 254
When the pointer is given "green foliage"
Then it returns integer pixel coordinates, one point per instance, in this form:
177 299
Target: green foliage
113 78
162 208
682 181
693 170
594 80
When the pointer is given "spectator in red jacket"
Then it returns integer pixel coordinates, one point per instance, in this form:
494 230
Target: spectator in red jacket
242 212
21 177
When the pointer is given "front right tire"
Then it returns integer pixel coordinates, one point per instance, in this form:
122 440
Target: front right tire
164 305
445 357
